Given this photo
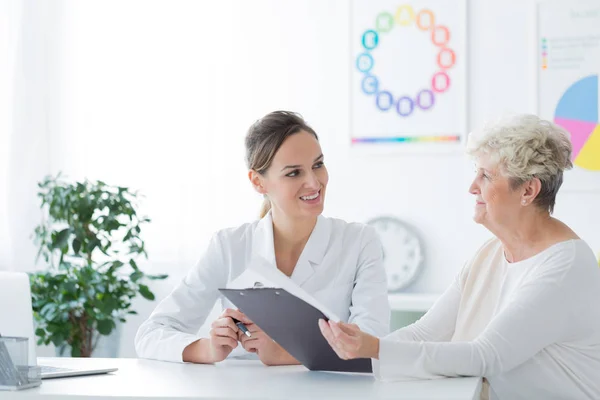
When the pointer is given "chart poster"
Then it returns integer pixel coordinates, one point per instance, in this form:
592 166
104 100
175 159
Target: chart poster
408 75
568 54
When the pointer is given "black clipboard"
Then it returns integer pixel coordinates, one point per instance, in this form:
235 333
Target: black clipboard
293 324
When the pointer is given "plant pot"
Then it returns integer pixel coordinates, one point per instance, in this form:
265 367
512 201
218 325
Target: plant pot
107 347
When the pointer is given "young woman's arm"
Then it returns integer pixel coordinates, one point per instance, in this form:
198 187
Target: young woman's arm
370 307
174 323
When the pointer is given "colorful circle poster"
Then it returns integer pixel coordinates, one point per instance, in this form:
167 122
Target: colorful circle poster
408 75
568 55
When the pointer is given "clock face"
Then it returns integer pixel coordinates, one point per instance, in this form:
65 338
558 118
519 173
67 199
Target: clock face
402 251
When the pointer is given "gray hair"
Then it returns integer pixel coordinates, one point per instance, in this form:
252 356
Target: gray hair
526 147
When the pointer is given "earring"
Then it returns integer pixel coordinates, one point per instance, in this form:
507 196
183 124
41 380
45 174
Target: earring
524 202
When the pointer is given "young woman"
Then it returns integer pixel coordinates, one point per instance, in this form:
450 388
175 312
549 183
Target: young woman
339 263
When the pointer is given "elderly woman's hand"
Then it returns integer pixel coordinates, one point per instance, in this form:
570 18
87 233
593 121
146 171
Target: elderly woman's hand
348 341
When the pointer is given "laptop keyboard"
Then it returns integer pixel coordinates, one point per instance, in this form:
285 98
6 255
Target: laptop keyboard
46 369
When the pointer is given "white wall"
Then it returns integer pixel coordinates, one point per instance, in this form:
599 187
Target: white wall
5 124
176 84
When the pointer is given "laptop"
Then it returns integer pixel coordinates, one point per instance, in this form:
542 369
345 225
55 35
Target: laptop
16 319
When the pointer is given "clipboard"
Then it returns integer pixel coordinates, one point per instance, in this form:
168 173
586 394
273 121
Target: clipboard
293 324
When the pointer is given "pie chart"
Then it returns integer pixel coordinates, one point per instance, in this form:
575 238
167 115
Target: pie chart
577 112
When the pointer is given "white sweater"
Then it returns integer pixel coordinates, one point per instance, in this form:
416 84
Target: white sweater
531 328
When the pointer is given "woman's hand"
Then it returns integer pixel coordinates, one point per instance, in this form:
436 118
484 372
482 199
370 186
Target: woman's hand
268 351
348 341
224 334
223 339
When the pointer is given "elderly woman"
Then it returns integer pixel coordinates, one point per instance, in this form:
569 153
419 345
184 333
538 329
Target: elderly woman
524 312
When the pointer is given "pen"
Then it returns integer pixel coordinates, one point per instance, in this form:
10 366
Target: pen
242 327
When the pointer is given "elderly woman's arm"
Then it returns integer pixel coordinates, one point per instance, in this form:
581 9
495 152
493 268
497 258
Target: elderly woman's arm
438 324
535 317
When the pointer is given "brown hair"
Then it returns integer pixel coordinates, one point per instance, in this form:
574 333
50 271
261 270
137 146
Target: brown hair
266 136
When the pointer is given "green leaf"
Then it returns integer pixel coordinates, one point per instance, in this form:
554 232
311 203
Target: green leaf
132 312
40 332
70 287
157 277
104 326
58 339
110 304
101 288
127 236
133 264
48 311
60 240
76 245
75 352
95 242
136 276
115 265
146 293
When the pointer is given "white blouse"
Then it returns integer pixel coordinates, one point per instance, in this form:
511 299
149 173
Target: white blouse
531 328
341 266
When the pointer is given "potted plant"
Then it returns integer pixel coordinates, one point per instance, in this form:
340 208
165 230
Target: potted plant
90 239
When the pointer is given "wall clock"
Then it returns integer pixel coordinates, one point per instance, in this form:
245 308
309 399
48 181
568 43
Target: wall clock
403 252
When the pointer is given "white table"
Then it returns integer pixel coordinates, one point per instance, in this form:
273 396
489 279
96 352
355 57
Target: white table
146 379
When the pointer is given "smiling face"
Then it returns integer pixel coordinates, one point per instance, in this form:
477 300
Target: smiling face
496 202
296 180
